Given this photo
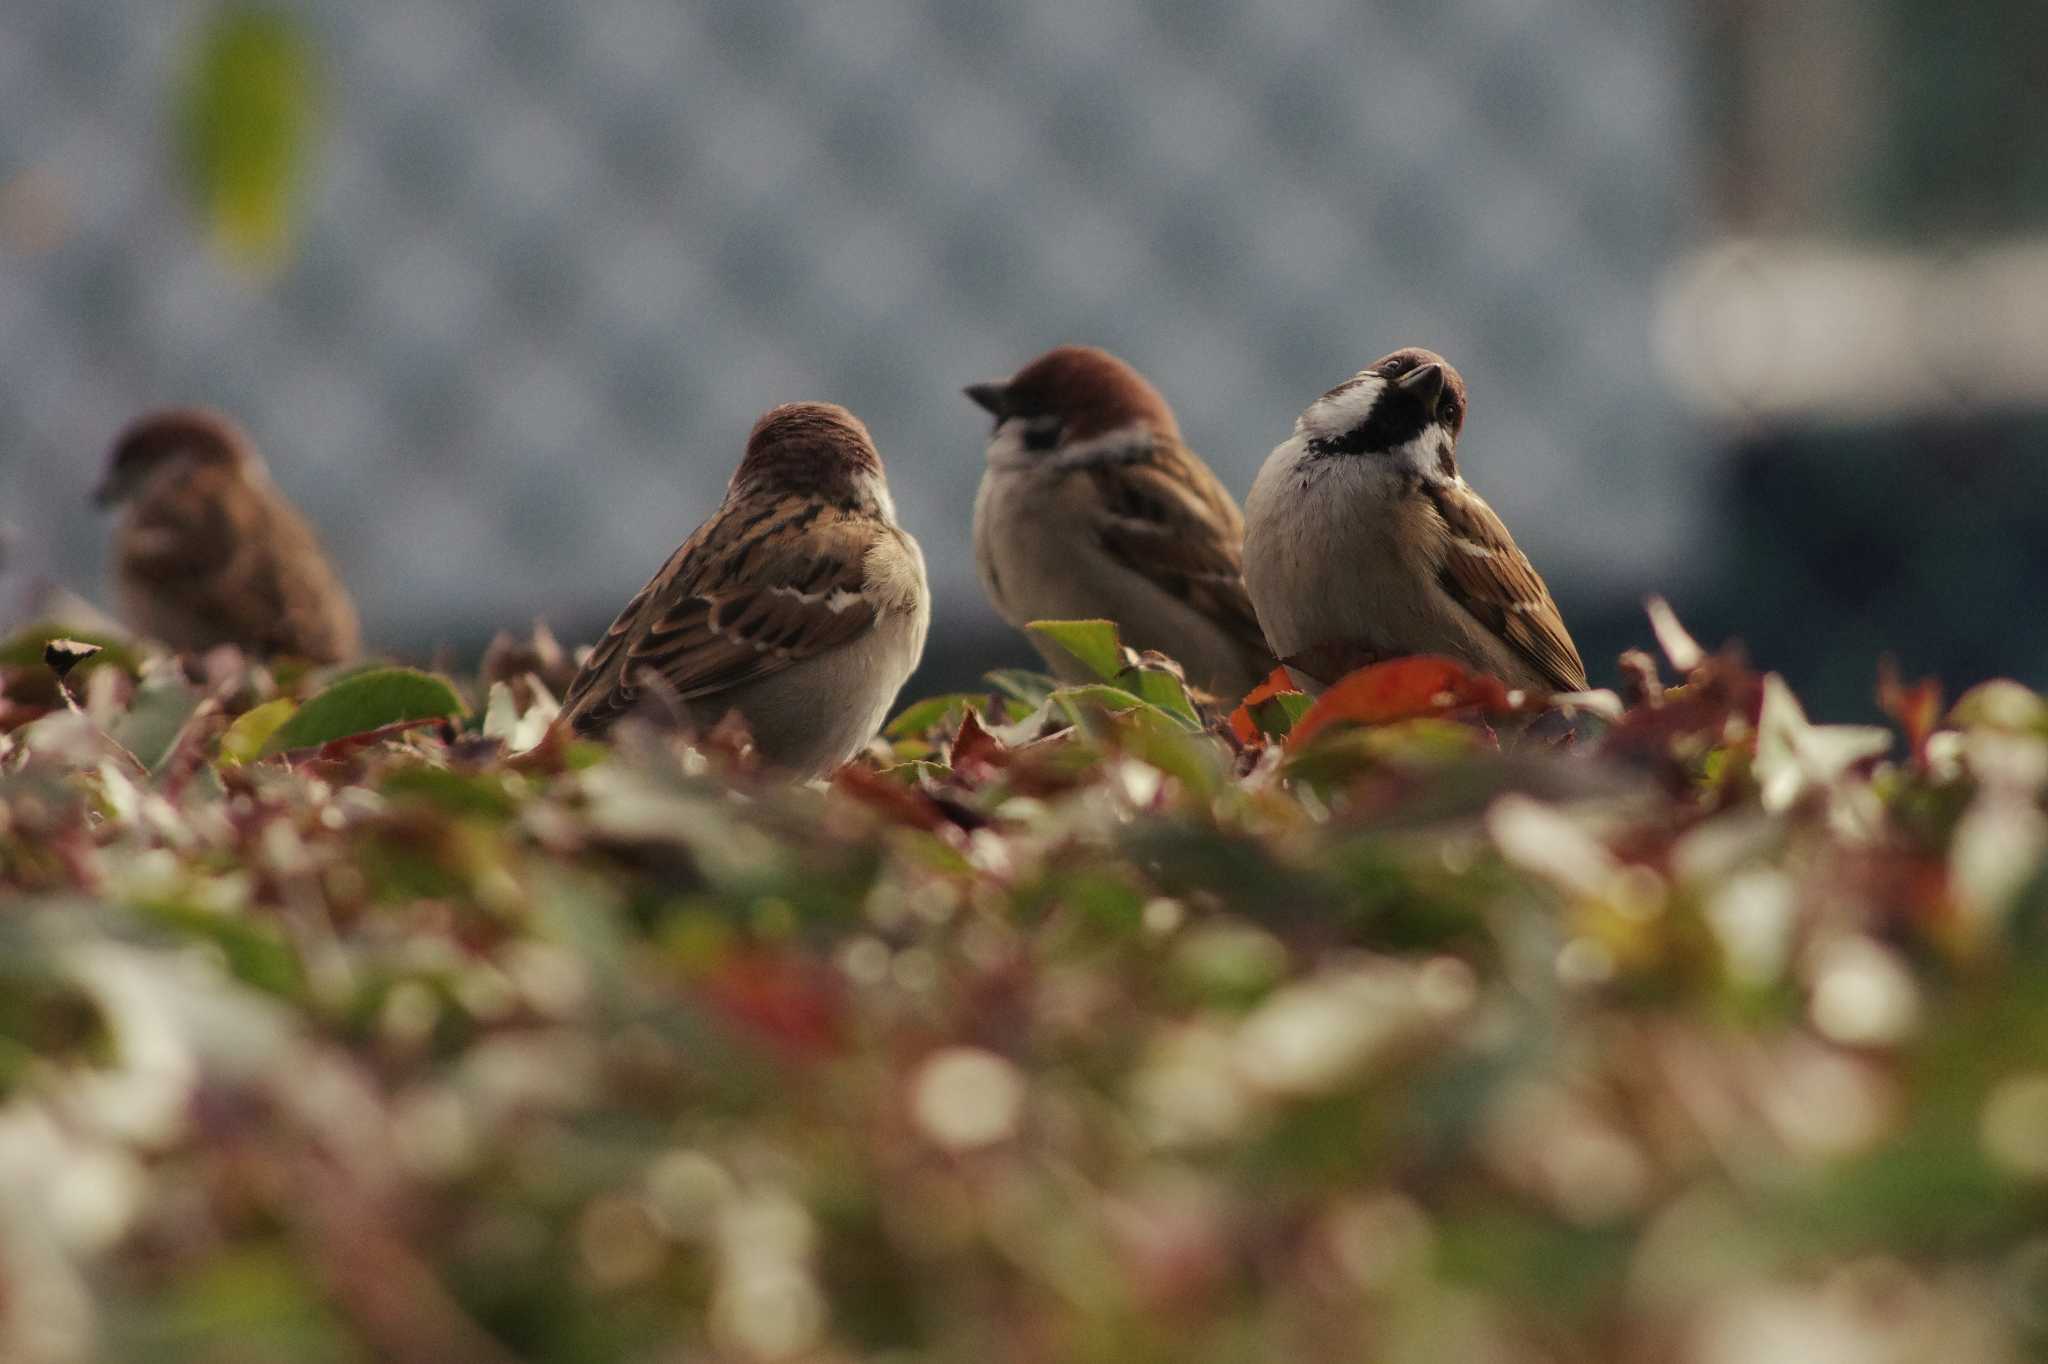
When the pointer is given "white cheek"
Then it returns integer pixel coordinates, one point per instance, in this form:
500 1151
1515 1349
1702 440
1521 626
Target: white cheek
1424 454
1329 418
1006 449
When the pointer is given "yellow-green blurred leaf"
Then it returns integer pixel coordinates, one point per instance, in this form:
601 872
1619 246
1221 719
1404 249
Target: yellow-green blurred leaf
252 729
245 120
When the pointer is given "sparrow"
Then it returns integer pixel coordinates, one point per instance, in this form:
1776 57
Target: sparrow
1364 542
209 551
801 603
1092 505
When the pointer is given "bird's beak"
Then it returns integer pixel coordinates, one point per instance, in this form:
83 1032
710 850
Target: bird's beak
1425 383
990 397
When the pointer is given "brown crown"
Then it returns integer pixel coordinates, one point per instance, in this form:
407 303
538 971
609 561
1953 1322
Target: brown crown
1090 391
806 447
195 432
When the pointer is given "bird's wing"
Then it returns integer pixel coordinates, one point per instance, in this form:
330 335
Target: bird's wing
207 539
1163 515
1487 573
756 589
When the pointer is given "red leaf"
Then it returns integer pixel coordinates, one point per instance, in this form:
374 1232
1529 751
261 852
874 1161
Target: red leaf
1915 709
789 1000
1241 722
1400 689
976 752
898 802
1688 717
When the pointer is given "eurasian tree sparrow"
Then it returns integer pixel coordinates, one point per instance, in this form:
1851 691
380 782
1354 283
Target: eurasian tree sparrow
1092 505
801 604
1363 541
209 551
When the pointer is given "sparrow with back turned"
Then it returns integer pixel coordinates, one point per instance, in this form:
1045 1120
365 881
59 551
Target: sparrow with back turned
208 550
1363 541
1092 505
800 604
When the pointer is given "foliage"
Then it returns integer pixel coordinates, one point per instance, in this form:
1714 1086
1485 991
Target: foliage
245 116
1074 1023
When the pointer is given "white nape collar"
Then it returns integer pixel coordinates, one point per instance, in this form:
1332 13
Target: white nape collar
1130 437
1007 450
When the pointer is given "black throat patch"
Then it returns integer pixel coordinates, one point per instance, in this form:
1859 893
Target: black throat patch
1394 421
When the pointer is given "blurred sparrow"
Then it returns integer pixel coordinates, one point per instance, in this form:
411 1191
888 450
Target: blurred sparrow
1363 541
800 604
1093 506
209 551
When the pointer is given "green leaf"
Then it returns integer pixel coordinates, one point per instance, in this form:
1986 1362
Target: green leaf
151 723
255 951
1182 751
24 648
1094 642
1162 689
1275 716
1103 896
245 120
1073 702
932 713
1026 688
253 1294
458 793
245 738
1228 963
366 701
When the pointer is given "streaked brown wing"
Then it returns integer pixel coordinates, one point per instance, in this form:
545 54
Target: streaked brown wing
1167 518
746 596
1488 574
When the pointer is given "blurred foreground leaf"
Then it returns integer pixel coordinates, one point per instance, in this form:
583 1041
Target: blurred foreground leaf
154 718
252 729
365 702
245 120
1071 1029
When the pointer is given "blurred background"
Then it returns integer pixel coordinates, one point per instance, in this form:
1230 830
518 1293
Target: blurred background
1752 295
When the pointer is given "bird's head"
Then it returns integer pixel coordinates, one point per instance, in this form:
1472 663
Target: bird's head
176 437
1069 398
1407 407
815 449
